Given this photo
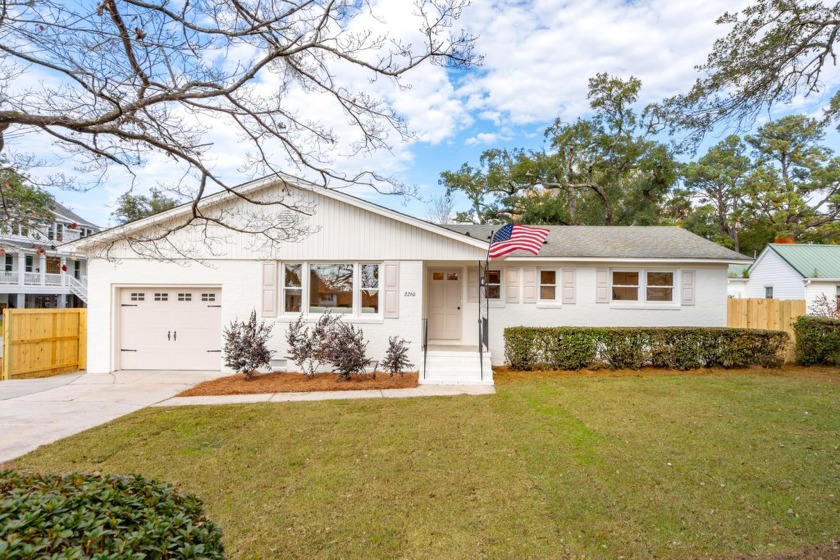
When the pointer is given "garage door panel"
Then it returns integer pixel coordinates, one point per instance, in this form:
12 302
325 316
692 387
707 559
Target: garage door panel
170 328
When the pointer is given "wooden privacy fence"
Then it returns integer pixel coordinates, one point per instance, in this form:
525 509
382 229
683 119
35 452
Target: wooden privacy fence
43 342
767 314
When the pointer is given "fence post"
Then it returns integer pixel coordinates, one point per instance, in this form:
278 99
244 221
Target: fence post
7 346
82 339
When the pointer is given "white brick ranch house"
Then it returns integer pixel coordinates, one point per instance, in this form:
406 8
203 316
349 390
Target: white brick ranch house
390 274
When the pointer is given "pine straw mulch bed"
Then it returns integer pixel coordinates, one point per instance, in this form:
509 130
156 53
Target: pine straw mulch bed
298 383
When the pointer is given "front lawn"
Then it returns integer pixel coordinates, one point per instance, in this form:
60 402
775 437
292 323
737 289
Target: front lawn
659 466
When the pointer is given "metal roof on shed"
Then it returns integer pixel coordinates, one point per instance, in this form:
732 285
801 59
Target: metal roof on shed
810 261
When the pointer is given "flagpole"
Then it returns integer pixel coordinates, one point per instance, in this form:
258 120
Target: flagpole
482 286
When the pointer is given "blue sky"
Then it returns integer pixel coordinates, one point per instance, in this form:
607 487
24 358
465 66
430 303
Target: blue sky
538 57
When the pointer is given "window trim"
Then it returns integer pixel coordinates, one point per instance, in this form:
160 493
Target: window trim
768 290
642 300
500 284
555 301
355 311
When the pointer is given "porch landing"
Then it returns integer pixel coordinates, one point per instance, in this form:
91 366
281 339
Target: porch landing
450 364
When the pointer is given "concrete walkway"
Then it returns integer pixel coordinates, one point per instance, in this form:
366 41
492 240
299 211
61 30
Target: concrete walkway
34 412
421 391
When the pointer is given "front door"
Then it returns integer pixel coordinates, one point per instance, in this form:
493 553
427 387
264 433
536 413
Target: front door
445 304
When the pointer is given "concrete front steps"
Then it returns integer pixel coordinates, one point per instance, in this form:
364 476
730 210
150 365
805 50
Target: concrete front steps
456 365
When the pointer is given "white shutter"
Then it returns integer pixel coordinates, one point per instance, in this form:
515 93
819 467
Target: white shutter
392 290
529 285
472 284
269 289
602 285
512 285
569 287
689 288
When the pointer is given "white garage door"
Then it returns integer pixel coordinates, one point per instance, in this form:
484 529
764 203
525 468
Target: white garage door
170 328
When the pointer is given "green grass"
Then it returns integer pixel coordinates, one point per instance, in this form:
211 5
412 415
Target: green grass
589 467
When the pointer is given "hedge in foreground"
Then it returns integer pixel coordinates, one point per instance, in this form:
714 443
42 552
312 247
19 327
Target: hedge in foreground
629 347
82 516
817 340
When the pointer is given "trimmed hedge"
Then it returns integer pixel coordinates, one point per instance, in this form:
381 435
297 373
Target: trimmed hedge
84 516
682 348
817 340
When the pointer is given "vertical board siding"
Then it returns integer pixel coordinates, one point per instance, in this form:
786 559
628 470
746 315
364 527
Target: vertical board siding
43 342
766 314
339 231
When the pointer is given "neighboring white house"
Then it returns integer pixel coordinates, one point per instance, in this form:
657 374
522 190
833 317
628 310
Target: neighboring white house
34 272
793 271
390 274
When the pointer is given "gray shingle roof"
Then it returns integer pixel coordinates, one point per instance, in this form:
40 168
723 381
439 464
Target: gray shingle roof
627 242
67 213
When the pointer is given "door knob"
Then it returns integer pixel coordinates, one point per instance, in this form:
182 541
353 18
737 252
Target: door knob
459 308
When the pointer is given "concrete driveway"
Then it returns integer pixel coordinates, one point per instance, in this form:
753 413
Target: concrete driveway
34 412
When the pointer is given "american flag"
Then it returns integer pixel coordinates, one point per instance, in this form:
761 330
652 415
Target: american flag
512 238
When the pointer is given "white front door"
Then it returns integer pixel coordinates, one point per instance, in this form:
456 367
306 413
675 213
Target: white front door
445 304
170 328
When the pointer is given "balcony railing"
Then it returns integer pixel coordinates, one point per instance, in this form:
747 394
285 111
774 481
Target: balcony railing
38 279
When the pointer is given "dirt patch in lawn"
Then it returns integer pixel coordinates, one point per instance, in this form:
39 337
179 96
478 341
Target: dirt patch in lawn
298 383
505 375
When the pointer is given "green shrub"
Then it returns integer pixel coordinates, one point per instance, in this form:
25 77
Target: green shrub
817 340
83 516
631 348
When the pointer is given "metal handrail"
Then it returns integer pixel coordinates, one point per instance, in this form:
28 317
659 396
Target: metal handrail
425 344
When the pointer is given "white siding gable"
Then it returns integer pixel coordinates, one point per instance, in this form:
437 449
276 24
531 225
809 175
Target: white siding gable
338 231
772 270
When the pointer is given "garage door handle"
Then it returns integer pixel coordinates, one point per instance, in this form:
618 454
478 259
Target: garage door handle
174 335
168 335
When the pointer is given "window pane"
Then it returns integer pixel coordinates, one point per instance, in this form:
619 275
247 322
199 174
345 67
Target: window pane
625 294
370 276
330 287
660 294
625 278
452 276
292 300
547 292
493 292
437 276
660 278
548 277
292 276
370 301
494 276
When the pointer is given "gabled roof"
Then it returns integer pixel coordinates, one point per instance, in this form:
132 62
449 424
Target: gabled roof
810 261
252 187
65 212
619 242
